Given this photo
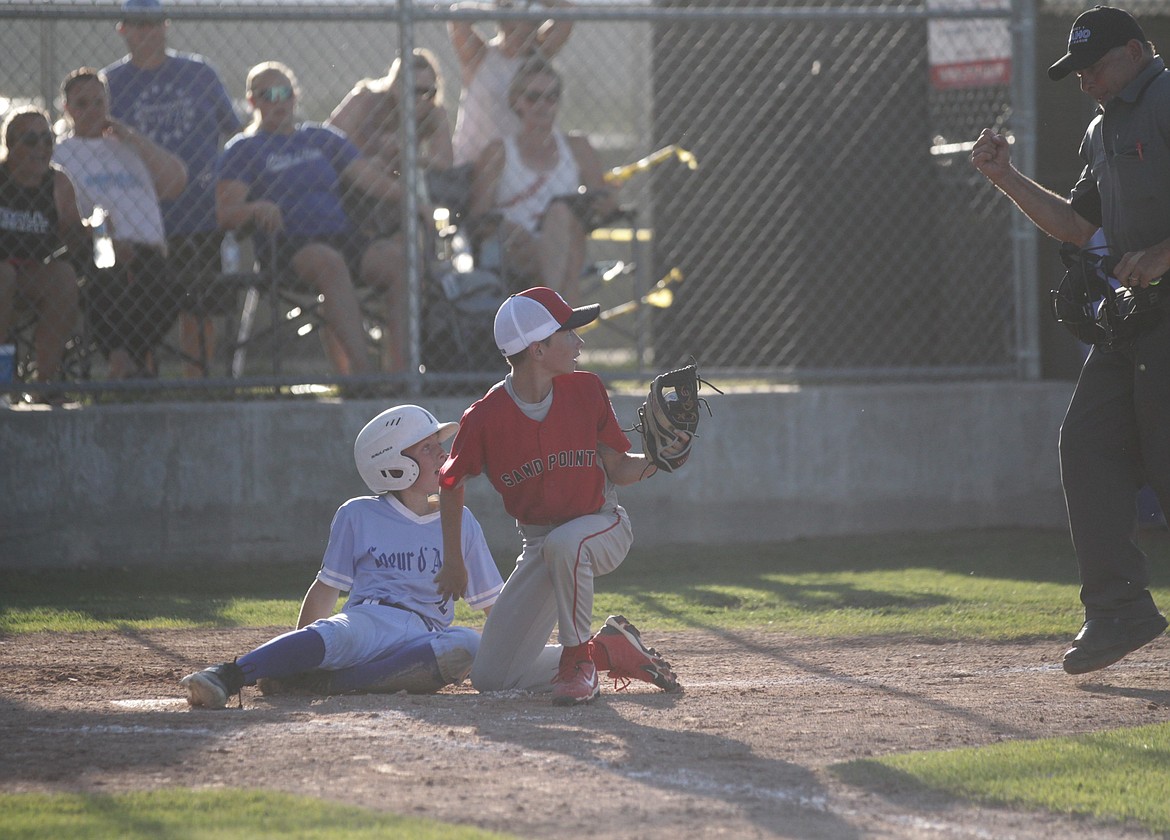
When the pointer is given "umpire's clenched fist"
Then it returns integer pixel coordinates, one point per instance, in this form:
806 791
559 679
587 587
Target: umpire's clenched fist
991 155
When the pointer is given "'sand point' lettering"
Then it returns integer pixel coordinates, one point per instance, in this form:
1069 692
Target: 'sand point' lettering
566 459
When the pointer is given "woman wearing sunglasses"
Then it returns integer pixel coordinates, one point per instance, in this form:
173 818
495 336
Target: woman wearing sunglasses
132 304
540 190
285 181
39 222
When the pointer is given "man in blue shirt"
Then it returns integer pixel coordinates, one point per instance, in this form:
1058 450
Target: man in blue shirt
179 101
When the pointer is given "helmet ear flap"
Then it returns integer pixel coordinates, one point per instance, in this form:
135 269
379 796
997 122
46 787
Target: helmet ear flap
404 471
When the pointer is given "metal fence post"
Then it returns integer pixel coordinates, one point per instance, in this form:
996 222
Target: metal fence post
48 62
410 180
1025 246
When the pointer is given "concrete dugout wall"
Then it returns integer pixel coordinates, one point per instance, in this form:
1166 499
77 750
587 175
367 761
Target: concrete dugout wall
242 482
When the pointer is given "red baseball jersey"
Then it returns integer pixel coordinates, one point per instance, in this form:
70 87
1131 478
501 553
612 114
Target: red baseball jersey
547 472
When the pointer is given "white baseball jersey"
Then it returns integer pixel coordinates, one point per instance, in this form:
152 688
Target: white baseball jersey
380 549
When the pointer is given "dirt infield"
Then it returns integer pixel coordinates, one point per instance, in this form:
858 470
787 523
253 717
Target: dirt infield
742 753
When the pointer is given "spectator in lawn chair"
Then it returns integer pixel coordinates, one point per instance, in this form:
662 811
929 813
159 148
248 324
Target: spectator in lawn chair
539 192
285 181
179 101
132 304
39 223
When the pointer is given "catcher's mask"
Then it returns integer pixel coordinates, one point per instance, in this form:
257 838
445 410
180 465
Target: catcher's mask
377 451
1094 311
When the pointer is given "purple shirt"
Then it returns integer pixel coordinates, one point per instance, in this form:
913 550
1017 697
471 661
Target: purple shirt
300 172
183 106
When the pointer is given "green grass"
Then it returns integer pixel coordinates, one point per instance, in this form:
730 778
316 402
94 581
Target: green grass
209 815
1118 776
999 585
996 585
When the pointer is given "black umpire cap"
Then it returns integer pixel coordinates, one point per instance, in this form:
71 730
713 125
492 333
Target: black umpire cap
1093 34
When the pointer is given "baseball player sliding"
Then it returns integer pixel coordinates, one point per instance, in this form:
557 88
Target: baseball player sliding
548 441
395 631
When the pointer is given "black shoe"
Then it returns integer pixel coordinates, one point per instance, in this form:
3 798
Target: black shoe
1103 641
315 682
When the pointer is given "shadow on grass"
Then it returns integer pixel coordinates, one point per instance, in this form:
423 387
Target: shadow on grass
898 787
1011 554
811 597
1024 555
1026 782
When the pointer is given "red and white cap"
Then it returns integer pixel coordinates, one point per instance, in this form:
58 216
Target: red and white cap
534 315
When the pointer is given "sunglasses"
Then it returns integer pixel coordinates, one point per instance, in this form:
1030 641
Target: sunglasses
83 102
277 93
535 96
35 138
426 92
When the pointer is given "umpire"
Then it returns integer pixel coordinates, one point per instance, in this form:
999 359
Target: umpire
1116 433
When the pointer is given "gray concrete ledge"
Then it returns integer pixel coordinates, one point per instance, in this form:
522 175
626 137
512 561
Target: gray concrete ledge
245 482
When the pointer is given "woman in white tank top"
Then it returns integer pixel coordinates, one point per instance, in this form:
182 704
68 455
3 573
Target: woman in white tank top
537 192
487 67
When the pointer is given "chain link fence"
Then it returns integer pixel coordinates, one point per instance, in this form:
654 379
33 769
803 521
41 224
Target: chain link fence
803 209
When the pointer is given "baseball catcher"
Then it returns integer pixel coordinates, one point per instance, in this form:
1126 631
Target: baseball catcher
669 418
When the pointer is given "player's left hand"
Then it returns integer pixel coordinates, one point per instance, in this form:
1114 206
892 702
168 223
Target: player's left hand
451 581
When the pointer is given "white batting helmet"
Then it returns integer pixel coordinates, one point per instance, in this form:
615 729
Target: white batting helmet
378 448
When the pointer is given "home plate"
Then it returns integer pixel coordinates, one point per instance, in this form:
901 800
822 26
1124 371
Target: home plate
152 704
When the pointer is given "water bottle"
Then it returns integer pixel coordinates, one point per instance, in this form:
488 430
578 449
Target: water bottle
229 253
103 246
442 217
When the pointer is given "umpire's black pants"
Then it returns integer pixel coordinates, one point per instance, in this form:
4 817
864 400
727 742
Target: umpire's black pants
1115 438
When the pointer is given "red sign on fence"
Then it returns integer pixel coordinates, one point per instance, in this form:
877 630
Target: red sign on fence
969 53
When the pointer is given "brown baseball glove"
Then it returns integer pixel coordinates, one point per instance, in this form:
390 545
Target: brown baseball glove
668 420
